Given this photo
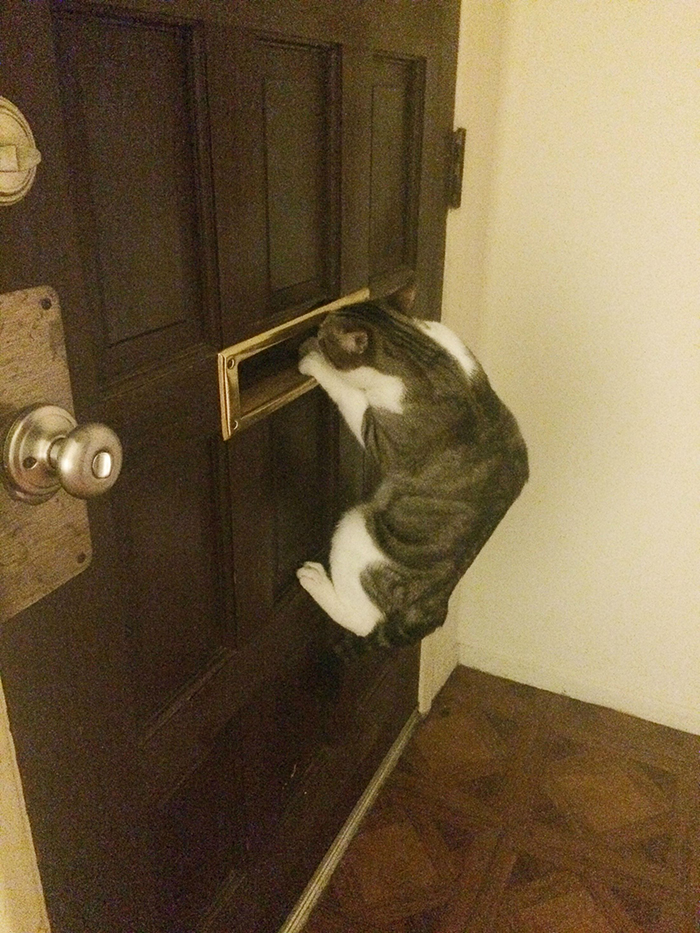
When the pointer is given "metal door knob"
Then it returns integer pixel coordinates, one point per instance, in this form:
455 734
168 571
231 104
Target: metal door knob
44 449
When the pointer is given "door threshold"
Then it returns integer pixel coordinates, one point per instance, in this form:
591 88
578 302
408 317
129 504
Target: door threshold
296 920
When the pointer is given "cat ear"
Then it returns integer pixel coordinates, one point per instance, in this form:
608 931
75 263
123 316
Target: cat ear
354 342
403 298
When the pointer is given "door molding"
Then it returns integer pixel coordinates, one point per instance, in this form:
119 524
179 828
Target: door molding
22 907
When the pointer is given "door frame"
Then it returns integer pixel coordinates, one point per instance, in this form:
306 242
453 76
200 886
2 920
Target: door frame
22 906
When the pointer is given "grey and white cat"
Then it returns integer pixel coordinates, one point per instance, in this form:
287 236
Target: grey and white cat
450 456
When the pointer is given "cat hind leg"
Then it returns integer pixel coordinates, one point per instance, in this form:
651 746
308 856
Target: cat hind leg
342 596
314 579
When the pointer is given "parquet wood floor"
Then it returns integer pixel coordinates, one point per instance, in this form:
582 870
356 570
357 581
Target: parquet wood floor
514 810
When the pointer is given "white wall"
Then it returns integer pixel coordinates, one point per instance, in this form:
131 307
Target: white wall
587 319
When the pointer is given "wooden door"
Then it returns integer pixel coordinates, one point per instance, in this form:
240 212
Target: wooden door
188 744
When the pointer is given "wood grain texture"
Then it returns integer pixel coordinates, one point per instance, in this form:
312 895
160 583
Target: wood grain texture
519 811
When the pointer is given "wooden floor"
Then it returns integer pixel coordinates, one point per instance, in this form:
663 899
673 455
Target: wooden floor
514 810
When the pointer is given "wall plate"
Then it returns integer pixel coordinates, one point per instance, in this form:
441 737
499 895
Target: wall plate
41 546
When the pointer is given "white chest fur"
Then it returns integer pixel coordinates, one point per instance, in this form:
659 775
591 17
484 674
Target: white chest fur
381 390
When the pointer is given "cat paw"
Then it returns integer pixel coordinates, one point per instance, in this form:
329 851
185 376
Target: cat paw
312 576
310 357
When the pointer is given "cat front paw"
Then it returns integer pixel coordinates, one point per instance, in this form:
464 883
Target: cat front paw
310 362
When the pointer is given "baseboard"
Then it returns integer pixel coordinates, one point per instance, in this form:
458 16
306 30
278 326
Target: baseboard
639 704
296 921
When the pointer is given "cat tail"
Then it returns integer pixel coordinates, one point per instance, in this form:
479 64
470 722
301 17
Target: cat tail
350 647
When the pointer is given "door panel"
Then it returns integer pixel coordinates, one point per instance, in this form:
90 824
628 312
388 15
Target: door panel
301 465
299 84
196 833
178 620
281 472
132 130
397 124
188 740
283 162
126 105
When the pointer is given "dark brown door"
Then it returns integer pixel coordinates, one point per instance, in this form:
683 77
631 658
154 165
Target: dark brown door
187 742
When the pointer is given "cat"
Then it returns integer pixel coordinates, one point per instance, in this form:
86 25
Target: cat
451 461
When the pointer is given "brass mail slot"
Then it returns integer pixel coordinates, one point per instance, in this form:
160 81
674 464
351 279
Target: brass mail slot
243 404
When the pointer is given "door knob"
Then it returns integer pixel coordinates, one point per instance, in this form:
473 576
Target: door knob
44 449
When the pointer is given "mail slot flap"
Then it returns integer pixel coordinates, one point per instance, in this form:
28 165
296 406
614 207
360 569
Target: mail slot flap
271 379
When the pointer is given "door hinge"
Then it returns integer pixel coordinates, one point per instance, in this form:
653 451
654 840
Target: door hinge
454 186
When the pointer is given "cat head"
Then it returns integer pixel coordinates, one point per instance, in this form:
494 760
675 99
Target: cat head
363 334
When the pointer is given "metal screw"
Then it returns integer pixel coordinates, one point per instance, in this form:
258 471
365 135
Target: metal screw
45 303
